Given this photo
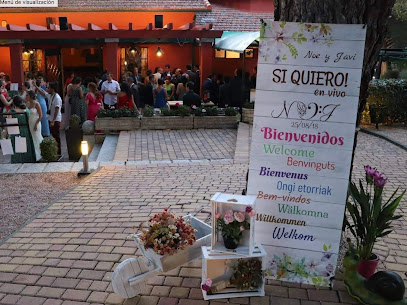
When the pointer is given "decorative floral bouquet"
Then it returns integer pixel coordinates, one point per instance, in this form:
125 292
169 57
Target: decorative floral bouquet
232 224
167 234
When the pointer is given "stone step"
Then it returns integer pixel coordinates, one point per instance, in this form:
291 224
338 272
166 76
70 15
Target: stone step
108 149
95 152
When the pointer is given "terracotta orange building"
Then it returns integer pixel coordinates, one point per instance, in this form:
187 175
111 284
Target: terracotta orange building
86 37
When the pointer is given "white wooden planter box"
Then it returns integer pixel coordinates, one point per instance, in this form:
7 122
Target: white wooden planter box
190 253
247 115
167 122
220 204
217 122
218 267
127 123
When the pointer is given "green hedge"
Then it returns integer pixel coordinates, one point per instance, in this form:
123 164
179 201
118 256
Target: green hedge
391 94
117 113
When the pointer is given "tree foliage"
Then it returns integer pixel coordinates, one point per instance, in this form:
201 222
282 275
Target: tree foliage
400 10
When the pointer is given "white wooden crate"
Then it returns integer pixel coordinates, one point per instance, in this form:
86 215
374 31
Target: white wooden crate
220 204
129 277
190 253
218 266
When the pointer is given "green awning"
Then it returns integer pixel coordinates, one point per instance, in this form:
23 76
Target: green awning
236 41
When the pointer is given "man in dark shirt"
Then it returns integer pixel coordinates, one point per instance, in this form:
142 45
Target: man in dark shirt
191 74
148 92
191 98
224 93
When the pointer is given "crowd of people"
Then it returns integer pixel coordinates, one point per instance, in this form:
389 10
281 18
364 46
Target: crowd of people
38 113
84 98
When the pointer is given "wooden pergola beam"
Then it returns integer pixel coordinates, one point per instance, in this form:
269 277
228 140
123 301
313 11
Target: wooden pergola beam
16 28
112 27
94 27
36 27
187 26
168 26
74 27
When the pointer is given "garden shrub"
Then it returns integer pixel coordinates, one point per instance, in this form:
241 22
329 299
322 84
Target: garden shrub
49 149
392 94
118 113
230 111
248 105
148 111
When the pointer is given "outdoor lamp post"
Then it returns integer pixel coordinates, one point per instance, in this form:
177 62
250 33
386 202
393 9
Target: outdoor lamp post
85 152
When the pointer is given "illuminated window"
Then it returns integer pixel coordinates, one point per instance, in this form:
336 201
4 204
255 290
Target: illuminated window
136 57
4 23
32 60
220 53
230 54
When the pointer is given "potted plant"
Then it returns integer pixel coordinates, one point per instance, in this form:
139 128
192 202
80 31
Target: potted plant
73 136
171 241
371 217
232 224
248 112
49 149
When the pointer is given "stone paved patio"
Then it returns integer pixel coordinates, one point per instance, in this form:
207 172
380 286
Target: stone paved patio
67 254
195 144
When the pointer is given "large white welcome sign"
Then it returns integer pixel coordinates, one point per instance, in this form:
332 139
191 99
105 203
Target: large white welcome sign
307 96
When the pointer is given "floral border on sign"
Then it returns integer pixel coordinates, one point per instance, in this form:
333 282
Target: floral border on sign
314 272
279 41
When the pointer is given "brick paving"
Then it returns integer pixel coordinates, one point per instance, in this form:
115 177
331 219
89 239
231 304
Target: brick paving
68 253
397 133
195 144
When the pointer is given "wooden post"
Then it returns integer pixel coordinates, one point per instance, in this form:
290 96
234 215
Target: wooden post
111 58
16 58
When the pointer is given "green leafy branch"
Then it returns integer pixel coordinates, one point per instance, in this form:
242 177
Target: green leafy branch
293 50
299 37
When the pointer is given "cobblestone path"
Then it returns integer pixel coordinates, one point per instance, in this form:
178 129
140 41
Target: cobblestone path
195 144
68 253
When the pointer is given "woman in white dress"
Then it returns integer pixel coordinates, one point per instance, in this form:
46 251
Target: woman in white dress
34 121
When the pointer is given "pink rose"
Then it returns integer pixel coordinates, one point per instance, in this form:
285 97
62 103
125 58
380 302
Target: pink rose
252 213
228 219
239 216
229 213
249 209
208 282
217 215
176 104
241 228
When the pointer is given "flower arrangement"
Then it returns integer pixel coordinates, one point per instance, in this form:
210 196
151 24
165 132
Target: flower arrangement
248 274
371 217
232 224
167 234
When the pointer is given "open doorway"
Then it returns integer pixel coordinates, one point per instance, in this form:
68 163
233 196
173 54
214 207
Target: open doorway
83 62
